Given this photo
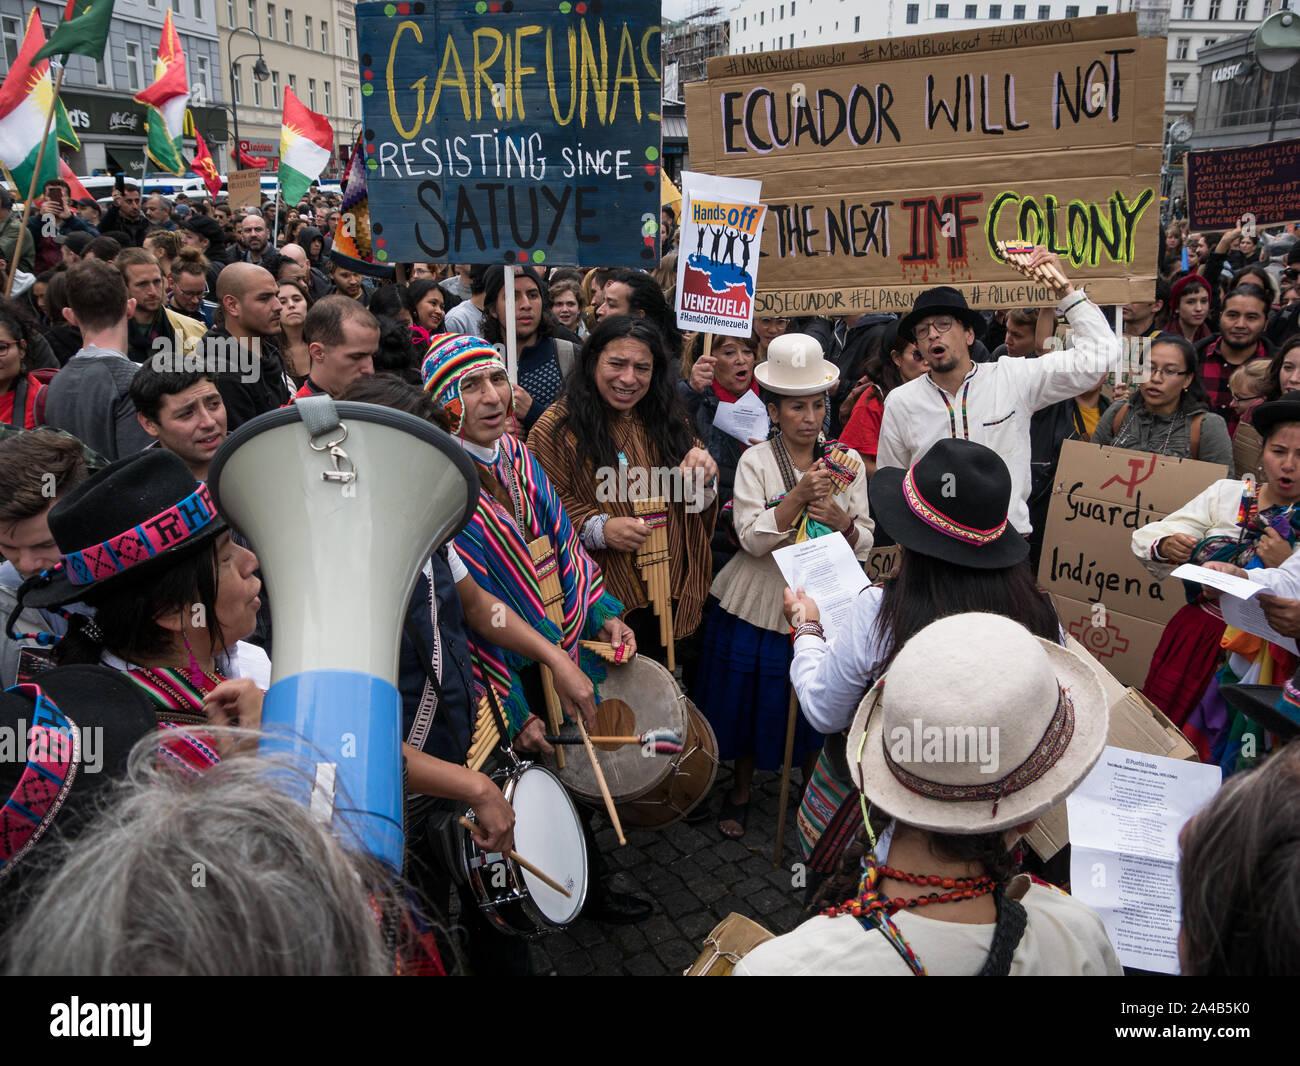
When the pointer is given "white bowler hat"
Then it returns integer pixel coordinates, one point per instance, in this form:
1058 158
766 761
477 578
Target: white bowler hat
795 366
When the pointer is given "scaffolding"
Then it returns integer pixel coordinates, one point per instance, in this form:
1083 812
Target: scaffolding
693 41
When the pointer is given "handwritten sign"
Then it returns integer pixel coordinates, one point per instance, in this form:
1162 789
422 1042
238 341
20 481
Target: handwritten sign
245 188
1106 598
525 132
891 167
717 269
1262 181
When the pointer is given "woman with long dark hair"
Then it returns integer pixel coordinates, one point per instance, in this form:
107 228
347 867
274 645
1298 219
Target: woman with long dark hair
1169 413
19 387
620 433
957 553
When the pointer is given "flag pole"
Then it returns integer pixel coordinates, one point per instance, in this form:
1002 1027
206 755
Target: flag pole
31 190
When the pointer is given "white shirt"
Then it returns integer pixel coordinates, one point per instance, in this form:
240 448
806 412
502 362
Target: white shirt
996 402
1063 937
831 676
244 660
1283 580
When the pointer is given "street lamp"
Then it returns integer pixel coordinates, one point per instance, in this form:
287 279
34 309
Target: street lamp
260 71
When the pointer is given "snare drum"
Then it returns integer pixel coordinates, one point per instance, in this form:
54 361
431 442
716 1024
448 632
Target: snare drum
549 835
650 791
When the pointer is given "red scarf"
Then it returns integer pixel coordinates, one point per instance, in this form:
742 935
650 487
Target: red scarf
727 397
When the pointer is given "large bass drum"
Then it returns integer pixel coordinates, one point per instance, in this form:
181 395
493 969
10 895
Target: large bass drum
650 791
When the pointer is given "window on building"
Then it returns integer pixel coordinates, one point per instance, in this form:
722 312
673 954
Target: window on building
972 11
102 69
311 93
1176 85
1184 43
1072 11
1101 9
293 82
744 22
352 106
1241 10
1018 12
762 17
198 9
913 14
995 11
1189 9
237 79
201 76
329 107
275 88
288 26
857 23
783 10
152 3
1209 41
792 8
153 60
11 31
325 38
941 11
230 13
307 22
176 6
1215 7
347 41
270 22
252 14
134 72
257 93
1268 8
1044 11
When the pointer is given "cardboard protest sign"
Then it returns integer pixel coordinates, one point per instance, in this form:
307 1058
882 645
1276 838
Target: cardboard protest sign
1261 182
1106 598
882 563
523 132
893 166
723 223
244 188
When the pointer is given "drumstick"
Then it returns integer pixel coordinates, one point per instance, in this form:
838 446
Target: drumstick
474 827
600 780
666 741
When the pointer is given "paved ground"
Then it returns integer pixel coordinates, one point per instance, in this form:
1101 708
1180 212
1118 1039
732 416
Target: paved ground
696 877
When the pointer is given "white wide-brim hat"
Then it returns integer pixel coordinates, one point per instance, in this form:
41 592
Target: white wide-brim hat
795 366
979 726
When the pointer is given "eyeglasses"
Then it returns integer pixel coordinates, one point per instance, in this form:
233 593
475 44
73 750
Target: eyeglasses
7 347
1167 372
191 295
938 325
1244 399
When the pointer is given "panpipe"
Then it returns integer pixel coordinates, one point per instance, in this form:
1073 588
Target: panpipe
842 467
652 561
1017 253
548 581
607 651
485 737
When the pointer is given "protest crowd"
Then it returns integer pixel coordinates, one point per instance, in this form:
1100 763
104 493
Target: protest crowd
928 443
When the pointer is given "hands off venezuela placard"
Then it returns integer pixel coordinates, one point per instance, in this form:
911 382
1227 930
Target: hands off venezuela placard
513 131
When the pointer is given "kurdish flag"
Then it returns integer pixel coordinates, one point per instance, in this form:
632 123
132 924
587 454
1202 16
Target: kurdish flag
25 101
167 99
83 31
305 142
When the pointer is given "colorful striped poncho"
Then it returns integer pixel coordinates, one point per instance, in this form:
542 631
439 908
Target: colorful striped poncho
497 557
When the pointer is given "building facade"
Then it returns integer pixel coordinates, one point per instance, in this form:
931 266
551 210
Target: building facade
1239 102
1199 24
98 93
309 46
764 26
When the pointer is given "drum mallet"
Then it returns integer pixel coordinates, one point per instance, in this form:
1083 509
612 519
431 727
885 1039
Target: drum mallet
600 780
474 829
666 741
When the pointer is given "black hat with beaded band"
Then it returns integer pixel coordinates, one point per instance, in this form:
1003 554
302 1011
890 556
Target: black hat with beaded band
952 505
129 520
67 736
942 300
1275 707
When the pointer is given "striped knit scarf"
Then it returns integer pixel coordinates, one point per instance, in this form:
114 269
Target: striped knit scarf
496 554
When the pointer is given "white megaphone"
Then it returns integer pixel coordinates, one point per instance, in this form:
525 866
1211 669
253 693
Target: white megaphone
343 503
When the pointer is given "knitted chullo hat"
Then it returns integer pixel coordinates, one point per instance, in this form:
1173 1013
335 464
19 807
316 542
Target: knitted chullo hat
450 357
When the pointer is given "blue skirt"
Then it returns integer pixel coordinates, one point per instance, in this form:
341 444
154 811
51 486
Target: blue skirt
743 688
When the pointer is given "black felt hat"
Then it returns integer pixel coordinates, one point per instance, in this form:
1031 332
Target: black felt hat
110 714
941 300
128 520
1267 415
951 505
1275 707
